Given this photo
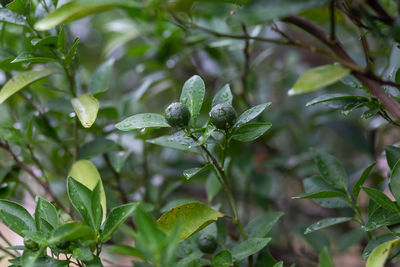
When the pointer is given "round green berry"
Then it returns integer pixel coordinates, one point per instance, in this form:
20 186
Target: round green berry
30 244
63 245
223 116
207 243
177 115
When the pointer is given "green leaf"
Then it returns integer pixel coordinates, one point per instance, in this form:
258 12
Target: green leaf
61 40
379 254
80 197
97 147
22 80
195 217
380 217
375 242
392 155
97 211
317 78
207 133
116 217
261 225
31 58
317 184
224 95
193 95
178 141
9 17
86 173
46 216
331 170
71 54
339 101
144 120
71 232
321 194
19 6
16 217
278 264
394 183
100 80
86 107
126 251
360 182
248 247
324 223
189 173
118 159
38 237
325 259
381 199
48 41
251 114
148 230
223 259
213 186
12 135
82 253
69 12
250 132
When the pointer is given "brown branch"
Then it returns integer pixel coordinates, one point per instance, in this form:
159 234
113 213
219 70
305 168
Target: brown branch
367 80
383 15
45 186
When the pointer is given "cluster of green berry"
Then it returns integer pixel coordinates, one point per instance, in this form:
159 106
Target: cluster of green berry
222 116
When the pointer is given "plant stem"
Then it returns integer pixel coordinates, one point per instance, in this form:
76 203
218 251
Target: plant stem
219 170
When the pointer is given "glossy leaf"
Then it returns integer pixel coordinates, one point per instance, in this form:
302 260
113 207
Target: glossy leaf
360 182
86 107
250 132
16 217
71 54
115 218
248 247
317 78
48 41
193 95
394 183
324 223
375 242
9 17
22 80
144 120
195 217
80 197
100 80
251 114
381 199
380 254
46 216
223 259
331 170
189 173
28 57
72 231
97 210
338 101
224 95
261 225
86 173
178 141
392 155
381 217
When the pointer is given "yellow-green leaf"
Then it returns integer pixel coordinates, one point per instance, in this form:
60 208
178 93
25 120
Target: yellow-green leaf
317 78
86 173
380 253
195 216
86 107
22 80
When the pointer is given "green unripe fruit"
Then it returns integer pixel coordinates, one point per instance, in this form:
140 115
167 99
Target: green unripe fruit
223 116
207 243
177 115
30 244
63 245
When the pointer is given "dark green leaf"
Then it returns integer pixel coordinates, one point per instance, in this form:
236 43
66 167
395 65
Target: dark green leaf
324 223
373 243
392 155
116 217
46 217
97 147
144 120
193 95
261 225
189 173
223 259
71 54
321 194
360 182
71 232
248 247
381 217
224 95
16 217
251 114
381 199
31 58
250 132
82 253
331 170
394 183
178 141
325 259
100 80
97 210
126 251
